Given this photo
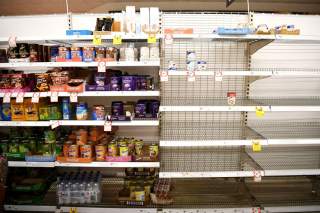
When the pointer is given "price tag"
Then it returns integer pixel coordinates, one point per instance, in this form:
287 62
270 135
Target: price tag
117 40
164 75
54 97
259 112
101 66
168 39
97 40
191 76
256 146
152 39
35 97
55 124
73 210
19 98
12 41
257 176
218 75
7 97
107 126
256 210
73 97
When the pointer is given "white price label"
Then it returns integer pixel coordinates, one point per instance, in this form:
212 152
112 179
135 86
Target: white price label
218 75
19 98
55 124
73 97
54 97
164 75
12 41
191 76
257 176
101 66
107 126
35 97
7 97
168 39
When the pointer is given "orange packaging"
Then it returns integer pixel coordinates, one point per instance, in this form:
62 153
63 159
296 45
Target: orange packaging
17 111
100 152
178 31
66 146
81 137
30 110
73 151
86 151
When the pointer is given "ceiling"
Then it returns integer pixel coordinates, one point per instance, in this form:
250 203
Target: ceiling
30 7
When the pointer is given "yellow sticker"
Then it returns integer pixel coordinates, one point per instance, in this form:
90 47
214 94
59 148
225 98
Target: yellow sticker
97 40
152 39
259 112
117 40
256 146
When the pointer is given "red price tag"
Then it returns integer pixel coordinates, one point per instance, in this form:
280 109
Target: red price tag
73 97
218 75
191 76
19 98
107 126
101 66
164 75
35 97
54 97
7 97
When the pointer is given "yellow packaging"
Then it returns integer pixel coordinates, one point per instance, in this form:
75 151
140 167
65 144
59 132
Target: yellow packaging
17 111
30 110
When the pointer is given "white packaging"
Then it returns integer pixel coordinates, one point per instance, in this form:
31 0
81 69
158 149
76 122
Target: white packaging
138 24
191 56
144 53
202 65
172 66
130 19
191 66
144 18
154 18
154 52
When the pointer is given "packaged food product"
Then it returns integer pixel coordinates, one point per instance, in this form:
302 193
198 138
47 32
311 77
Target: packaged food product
42 82
98 112
115 83
53 53
140 110
154 52
6 112
13 52
191 56
100 152
89 54
54 112
139 193
82 111
111 53
100 52
86 151
128 83
154 150
73 151
231 98
144 54
34 52
64 53
154 108
123 150
43 111
100 79
59 78
30 110
117 108
17 111
66 146
17 81
24 51
81 136
202 65
112 149
138 147
66 109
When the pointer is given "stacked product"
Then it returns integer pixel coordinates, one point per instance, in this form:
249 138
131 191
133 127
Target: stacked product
79 188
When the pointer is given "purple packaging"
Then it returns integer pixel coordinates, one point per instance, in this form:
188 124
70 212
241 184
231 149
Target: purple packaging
141 82
140 110
117 108
128 83
115 83
154 108
100 79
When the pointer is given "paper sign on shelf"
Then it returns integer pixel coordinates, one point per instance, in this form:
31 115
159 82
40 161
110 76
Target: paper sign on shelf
163 75
19 98
168 39
73 210
55 124
101 66
107 126
256 146
35 97
73 97
117 40
97 40
54 97
259 112
7 97
218 75
152 38
12 41
191 76
257 175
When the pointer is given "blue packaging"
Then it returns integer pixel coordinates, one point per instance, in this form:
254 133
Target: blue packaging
6 112
140 110
78 32
66 109
54 53
233 31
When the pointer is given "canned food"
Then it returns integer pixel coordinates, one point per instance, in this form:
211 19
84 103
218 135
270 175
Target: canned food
112 149
98 112
64 53
139 193
138 147
124 150
100 152
100 52
86 151
73 151
76 53
89 54
154 150
81 137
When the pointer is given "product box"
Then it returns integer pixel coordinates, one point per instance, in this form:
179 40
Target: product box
30 110
154 18
17 111
144 18
78 32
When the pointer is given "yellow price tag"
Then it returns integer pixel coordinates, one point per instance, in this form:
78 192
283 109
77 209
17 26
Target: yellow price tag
73 210
97 40
152 39
256 146
117 40
259 112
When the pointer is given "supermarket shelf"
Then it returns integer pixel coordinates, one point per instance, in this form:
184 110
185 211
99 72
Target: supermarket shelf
92 94
111 164
249 73
81 64
24 123
311 208
30 208
30 164
113 210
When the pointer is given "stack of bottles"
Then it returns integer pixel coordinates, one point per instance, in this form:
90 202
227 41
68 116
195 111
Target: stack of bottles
79 188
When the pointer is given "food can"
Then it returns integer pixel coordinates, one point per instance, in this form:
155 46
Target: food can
123 150
81 136
89 54
139 193
112 149
73 151
147 189
76 53
100 52
138 147
100 152
82 111
98 112
153 150
64 53
66 109
86 151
